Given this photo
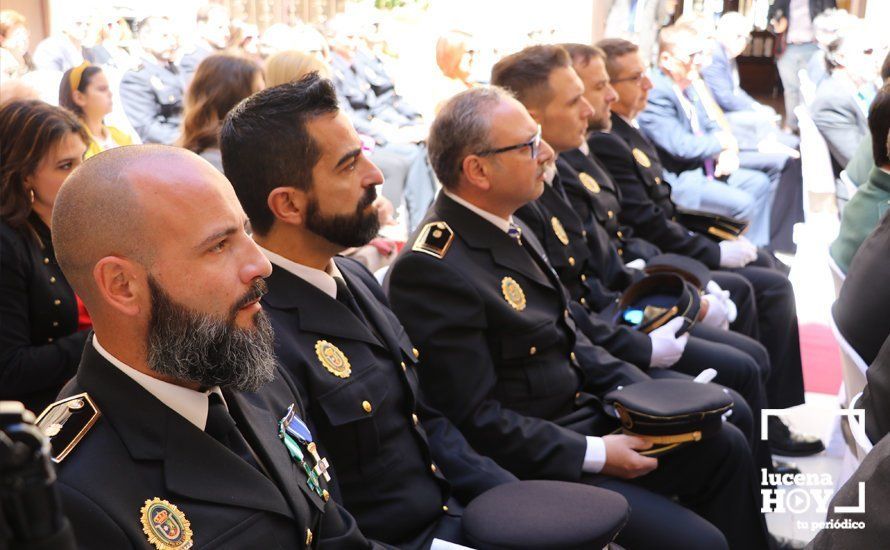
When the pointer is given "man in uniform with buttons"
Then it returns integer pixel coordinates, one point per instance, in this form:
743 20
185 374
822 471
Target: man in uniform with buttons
397 461
504 361
169 435
152 92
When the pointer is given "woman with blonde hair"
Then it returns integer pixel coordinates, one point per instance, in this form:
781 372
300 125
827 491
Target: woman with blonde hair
290 65
221 81
85 91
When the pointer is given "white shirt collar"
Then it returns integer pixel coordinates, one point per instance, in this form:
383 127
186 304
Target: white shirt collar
323 280
190 404
497 221
632 121
585 148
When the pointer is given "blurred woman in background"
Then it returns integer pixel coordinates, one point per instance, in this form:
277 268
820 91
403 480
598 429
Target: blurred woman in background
44 324
85 91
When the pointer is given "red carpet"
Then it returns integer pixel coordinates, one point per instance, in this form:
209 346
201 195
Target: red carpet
821 359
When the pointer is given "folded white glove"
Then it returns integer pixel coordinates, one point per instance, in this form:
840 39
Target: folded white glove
737 253
639 264
666 346
731 310
716 315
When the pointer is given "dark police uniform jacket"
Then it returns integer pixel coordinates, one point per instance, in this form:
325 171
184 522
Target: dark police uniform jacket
604 203
40 345
502 358
561 233
152 99
140 449
389 449
645 197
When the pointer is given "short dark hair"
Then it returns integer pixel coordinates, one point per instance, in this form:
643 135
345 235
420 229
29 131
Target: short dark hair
879 125
526 73
614 48
885 69
265 143
581 54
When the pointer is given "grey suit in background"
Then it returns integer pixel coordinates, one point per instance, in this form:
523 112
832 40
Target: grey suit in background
840 119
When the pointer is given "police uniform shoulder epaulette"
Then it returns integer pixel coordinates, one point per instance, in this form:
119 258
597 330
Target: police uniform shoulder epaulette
434 239
66 422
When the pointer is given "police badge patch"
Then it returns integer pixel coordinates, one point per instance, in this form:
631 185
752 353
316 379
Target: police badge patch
559 230
589 183
513 293
641 158
332 359
165 525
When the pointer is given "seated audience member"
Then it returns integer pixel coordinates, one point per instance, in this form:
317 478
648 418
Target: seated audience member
152 92
212 36
645 205
639 21
872 201
44 328
290 66
863 160
179 376
504 361
304 211
64 50
115 46
454 57
690 145
545 83
14 40
220 82
827 26
84 91
842 99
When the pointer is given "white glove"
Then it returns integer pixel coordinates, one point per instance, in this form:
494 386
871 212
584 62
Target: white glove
731 310
737 253
666 346
716 315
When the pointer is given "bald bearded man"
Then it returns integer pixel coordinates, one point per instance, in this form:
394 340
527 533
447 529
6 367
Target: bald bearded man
167 437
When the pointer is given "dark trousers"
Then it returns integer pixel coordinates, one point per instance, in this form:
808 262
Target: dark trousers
714 481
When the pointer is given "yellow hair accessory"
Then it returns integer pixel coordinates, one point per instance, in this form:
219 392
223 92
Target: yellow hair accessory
77 74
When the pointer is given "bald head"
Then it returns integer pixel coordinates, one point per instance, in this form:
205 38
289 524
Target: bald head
115 205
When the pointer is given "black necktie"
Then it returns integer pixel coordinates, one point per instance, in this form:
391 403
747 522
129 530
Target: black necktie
221 427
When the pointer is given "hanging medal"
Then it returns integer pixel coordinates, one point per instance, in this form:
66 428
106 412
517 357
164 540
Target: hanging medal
293 432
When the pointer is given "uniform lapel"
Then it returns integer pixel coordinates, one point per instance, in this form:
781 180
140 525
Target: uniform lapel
372 310
479 233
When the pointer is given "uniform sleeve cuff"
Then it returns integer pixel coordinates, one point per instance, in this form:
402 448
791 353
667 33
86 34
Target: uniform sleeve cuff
594 456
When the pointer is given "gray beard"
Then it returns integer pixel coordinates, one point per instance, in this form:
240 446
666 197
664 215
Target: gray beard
195 347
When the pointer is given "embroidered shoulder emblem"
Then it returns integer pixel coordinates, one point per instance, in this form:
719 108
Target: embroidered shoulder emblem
165 525
641 158
434 239
66 422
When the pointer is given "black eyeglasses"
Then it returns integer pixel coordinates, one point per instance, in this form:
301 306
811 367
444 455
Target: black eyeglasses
534 144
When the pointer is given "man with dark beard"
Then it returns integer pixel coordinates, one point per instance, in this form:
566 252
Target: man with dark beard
168 436
402 469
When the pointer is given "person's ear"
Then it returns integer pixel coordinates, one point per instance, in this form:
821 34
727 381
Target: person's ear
79 98
122 285
477 171
288 204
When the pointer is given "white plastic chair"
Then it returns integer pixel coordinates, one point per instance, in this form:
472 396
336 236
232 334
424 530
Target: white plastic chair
837 276
807 87
815 158
857 430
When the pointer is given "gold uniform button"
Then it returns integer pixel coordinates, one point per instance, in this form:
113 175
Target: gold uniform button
414 419
620 235
433 468
55 323
326 495
620 252
584 233
577 395
57 302
52 279
583 301
404 367
610 214
367 406
308 537
49 340
572 356
46 260
532 350
416 353
571 260
444 508
657 179
583 277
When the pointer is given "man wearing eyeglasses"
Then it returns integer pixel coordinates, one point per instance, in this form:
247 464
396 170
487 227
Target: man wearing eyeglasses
505 361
